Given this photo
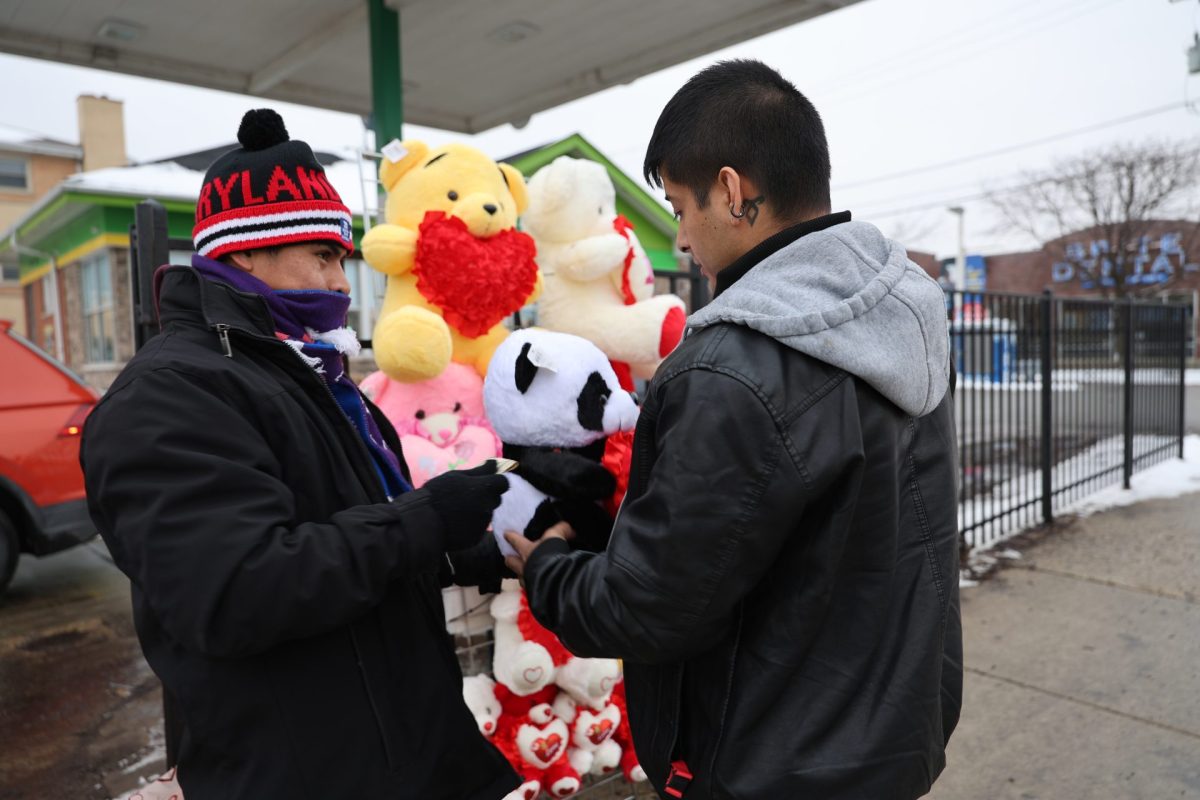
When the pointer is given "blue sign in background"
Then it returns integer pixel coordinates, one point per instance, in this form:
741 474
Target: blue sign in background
975 279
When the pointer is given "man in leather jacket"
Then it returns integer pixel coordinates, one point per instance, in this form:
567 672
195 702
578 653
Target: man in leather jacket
782 579
285 575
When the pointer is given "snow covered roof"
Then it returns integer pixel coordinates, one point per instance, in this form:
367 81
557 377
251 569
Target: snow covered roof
170 180
18 140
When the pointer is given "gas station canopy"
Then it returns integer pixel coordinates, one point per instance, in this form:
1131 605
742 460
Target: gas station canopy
468 65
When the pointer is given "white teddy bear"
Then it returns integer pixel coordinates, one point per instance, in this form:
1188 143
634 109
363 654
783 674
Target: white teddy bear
479 693
523 666
599 284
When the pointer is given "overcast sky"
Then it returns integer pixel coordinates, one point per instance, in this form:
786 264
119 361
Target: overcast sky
902 85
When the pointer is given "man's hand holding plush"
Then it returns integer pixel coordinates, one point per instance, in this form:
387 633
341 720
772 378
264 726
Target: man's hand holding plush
465 501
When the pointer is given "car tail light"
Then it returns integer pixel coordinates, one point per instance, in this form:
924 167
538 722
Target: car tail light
74 424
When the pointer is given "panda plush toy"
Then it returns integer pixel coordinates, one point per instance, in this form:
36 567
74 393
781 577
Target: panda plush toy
553 398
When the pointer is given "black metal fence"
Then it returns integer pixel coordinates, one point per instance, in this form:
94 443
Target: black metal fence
689 286
1057 398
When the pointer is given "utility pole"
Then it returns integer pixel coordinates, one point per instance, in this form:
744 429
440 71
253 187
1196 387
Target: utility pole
959 277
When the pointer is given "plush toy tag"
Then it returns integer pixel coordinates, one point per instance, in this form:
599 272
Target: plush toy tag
393 151
542 358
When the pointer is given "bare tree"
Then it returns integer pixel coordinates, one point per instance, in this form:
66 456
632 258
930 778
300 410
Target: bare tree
911 228
1122 219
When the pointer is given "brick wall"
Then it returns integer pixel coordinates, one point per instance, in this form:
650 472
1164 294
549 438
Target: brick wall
926 261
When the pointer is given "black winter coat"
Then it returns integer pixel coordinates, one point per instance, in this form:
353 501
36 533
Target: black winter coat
782 580
292 612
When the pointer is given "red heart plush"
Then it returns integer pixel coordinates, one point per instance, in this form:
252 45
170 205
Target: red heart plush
476 282
547 747
599 731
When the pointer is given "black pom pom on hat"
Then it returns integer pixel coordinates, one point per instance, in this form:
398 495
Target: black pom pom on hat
270 192
261 128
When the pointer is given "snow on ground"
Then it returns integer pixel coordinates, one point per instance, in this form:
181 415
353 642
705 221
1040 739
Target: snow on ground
1070 380
1171 478
1168 479
151 787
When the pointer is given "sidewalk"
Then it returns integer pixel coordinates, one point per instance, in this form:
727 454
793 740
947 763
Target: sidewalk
1083 664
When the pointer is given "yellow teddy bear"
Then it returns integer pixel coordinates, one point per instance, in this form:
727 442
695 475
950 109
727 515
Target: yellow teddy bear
456 265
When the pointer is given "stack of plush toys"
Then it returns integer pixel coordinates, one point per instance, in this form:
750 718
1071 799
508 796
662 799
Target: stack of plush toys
460 388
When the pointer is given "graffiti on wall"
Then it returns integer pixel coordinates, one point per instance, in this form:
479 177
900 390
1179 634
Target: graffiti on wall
1157 260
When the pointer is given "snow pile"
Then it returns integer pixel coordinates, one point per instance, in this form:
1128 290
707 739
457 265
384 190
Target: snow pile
1168 479
1070 380
1171 478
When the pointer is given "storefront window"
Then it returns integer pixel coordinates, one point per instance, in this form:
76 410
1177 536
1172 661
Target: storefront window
98 313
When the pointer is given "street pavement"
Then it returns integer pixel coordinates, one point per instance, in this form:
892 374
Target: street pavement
1083 664
79 709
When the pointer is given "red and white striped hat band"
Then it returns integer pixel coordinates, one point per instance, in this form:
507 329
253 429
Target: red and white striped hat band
272 226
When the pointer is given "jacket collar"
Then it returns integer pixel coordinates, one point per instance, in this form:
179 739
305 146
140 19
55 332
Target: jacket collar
769 246
185 295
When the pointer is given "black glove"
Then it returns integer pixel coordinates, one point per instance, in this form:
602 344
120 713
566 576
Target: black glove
465 500
481 565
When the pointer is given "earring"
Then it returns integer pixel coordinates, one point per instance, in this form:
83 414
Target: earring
736 215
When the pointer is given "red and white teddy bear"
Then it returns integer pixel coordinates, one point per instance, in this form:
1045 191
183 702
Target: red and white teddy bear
599 284
555 716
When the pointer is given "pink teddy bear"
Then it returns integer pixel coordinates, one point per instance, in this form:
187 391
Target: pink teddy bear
440 421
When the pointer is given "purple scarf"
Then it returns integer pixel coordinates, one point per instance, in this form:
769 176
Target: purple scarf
298 314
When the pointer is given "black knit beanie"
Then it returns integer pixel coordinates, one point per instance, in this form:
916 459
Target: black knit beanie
271 191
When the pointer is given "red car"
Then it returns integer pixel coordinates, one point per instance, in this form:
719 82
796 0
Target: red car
42 409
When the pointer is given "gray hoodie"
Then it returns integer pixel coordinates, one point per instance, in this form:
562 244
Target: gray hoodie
848 296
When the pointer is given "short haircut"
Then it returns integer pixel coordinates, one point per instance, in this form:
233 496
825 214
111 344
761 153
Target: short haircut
745 115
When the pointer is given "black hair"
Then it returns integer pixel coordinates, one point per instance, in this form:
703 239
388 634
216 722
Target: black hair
745 115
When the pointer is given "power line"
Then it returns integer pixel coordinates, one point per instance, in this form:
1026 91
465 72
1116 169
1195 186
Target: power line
1025 183
1014 147
893 77
1073 12
955 36
896 212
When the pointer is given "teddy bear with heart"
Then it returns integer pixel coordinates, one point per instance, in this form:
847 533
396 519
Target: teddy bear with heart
456 265
538 752
599 281
592 750
525 664
440 421
526 657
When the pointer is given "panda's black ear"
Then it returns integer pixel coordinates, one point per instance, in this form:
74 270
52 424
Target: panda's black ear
525 370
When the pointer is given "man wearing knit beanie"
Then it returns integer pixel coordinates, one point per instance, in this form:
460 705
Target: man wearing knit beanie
285 575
